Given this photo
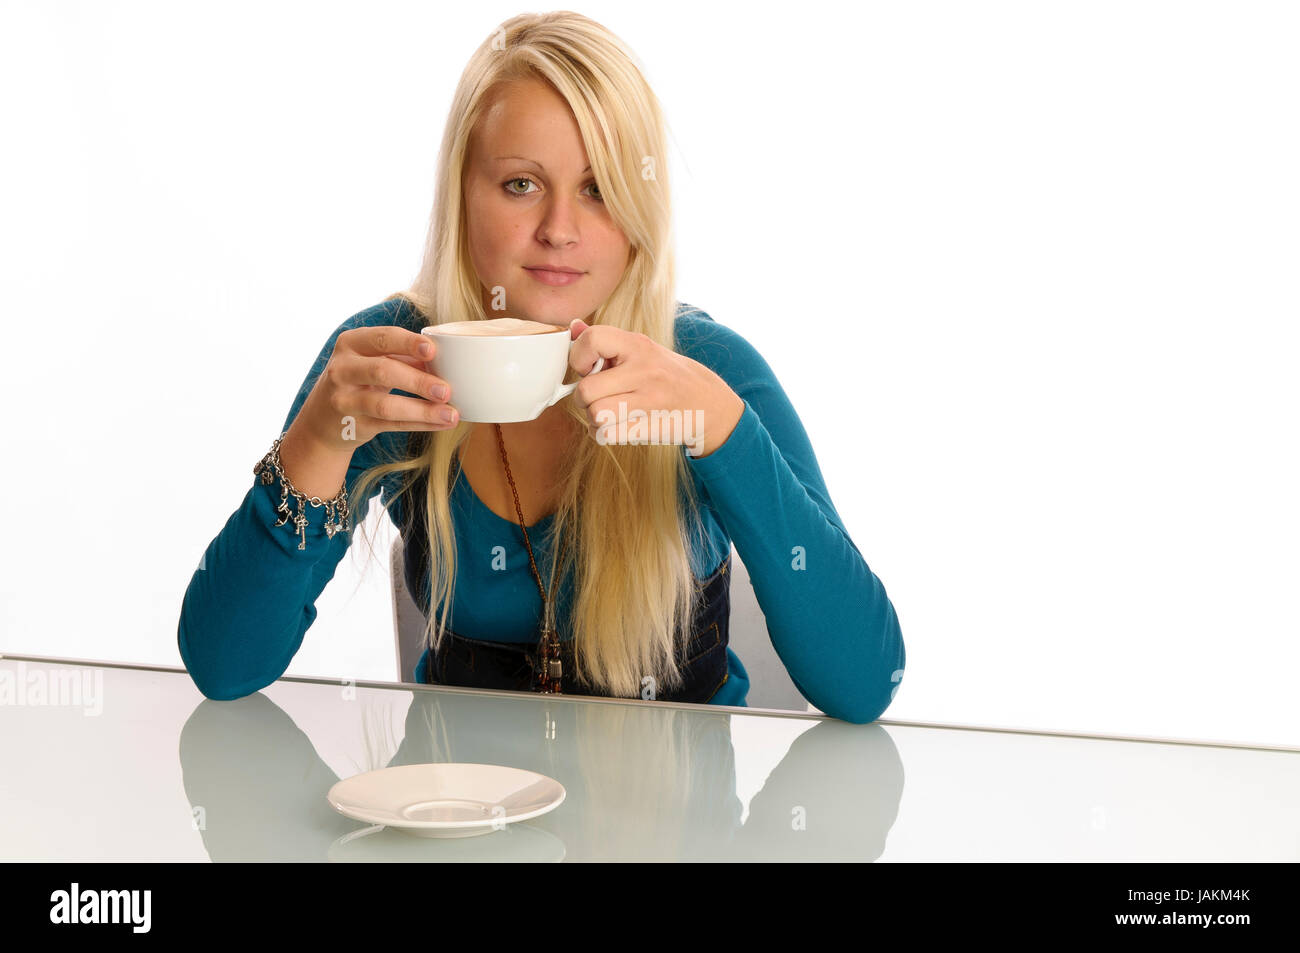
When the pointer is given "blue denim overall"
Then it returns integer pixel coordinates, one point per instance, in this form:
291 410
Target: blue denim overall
513 666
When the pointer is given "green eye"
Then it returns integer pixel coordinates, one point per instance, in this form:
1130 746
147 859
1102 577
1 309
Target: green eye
510 191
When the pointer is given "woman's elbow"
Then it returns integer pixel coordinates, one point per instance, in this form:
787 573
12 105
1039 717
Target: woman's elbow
211 685
886 676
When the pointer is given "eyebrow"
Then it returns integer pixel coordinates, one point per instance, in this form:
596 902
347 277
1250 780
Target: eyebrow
530 162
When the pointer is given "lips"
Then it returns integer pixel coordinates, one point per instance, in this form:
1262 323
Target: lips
548 276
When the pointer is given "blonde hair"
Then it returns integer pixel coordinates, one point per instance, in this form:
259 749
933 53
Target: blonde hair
627 535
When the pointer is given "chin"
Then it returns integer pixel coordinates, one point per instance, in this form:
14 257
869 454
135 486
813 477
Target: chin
555 312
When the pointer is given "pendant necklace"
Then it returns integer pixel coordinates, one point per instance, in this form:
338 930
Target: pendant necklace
551 673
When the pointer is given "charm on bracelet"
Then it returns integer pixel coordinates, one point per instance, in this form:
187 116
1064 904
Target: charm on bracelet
268 469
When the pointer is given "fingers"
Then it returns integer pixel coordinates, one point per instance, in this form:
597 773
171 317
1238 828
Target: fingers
592 343
387 339
387 350
392 372
419 362
417 425
393 409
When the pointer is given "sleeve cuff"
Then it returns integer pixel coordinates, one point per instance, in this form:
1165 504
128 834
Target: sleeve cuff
741 445
287 536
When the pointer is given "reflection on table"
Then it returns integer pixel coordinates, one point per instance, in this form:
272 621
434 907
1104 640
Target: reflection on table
116 762
643 782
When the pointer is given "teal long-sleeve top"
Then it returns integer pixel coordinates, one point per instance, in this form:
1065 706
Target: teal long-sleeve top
252 599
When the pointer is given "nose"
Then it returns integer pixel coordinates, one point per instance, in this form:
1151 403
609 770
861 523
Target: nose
559 224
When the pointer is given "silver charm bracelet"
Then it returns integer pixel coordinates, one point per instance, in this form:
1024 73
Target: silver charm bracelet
336 510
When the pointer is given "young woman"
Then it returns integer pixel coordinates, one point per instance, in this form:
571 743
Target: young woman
546 555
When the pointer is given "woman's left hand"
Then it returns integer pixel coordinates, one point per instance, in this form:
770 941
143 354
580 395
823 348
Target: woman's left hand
647 393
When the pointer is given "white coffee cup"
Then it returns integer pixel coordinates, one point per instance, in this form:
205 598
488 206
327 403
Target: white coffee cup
502 370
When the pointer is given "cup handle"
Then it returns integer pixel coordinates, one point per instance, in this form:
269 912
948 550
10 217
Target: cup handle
564 390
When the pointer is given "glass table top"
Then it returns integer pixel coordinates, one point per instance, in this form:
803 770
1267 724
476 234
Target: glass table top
105 761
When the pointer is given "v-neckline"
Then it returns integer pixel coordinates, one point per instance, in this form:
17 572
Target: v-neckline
463 477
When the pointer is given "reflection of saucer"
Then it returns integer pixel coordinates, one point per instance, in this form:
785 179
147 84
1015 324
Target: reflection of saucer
517 843
446 800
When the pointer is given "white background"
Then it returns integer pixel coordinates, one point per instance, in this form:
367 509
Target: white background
1026 270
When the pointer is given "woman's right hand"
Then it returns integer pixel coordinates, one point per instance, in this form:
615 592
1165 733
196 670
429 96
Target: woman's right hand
366 364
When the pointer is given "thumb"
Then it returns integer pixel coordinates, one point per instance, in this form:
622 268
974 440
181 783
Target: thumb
577 326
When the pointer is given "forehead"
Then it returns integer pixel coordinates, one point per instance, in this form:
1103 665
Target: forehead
528 118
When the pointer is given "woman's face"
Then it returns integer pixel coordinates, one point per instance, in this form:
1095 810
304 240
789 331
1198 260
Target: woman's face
531 202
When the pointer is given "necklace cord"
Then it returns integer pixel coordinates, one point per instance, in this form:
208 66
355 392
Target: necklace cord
550 643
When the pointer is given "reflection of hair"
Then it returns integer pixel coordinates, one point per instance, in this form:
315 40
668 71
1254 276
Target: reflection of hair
675 800
670 801
379 740
628 534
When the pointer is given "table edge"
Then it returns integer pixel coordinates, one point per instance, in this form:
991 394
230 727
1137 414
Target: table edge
729 709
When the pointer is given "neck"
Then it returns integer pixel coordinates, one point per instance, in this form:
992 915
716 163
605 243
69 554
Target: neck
548 435
553 424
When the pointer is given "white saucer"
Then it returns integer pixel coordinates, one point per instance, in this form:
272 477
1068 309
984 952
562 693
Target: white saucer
446 800
517 843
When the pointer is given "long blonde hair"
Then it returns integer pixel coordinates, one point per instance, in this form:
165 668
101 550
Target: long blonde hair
627 532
